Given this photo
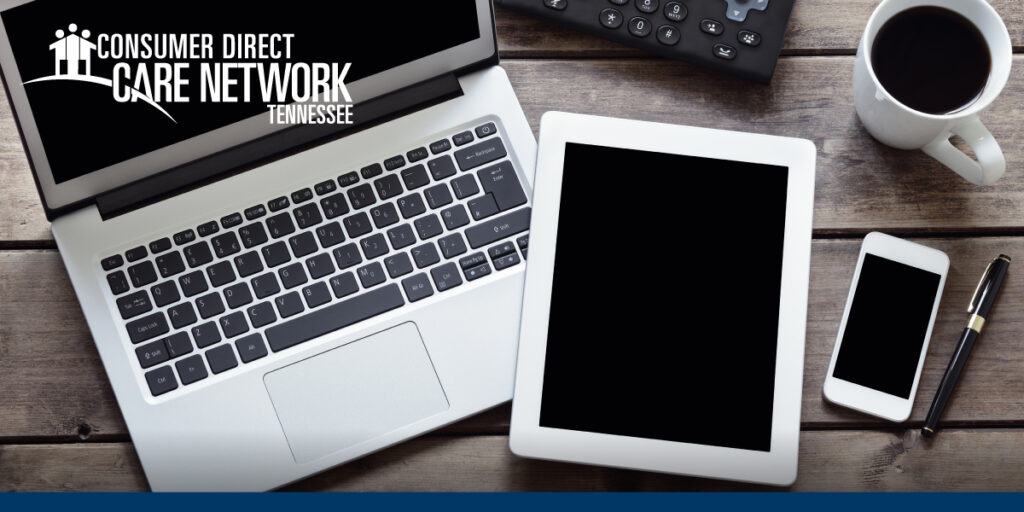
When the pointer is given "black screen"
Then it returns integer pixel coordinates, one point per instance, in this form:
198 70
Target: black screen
885 330
665 307
83 129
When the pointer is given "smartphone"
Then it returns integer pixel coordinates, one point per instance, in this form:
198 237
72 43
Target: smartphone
883 338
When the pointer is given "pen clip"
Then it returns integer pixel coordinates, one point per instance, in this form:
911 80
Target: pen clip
974 298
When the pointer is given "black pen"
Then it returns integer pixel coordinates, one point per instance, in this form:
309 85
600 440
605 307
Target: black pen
981 304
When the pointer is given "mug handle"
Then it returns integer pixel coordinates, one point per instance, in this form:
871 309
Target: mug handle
990 164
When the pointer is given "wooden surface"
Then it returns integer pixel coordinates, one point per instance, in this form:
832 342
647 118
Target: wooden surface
60 428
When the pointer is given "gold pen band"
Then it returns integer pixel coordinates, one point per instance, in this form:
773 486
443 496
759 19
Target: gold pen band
976 323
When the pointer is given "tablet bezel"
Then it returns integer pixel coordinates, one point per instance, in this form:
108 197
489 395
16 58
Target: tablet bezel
527 438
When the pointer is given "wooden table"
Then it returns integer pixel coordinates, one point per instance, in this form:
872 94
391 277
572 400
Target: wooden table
60 427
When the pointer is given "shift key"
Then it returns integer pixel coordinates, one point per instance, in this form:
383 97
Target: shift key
480 154
496 228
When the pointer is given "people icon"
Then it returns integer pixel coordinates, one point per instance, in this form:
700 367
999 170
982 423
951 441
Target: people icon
73 50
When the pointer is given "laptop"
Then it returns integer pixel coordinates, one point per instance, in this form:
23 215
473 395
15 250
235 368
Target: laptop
281 285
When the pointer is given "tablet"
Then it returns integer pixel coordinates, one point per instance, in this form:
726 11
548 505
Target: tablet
665 300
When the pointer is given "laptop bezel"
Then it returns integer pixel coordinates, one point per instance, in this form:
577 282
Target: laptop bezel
58 197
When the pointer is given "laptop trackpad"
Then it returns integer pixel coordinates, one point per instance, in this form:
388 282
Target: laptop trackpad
355 392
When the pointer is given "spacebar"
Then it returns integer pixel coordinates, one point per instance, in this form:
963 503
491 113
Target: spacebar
343 314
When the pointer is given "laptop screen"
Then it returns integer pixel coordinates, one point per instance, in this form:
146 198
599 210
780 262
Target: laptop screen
109 81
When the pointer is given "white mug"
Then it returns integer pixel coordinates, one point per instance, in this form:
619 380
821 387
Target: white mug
899 126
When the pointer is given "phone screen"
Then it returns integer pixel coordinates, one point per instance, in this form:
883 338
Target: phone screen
886 329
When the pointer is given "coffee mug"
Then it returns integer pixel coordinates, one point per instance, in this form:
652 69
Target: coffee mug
899 126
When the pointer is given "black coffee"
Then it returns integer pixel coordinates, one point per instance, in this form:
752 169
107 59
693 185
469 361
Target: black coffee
931 59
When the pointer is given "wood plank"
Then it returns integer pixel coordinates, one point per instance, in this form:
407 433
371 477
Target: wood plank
54 382
956 460
861 185
817 26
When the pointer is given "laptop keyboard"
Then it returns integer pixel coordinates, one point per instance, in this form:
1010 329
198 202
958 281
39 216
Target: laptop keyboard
233 290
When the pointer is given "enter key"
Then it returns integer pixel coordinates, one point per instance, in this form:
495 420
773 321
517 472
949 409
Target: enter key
503 184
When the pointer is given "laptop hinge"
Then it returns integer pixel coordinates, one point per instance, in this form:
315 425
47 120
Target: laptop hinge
276 145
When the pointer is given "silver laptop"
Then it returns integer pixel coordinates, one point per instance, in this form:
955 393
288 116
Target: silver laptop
270 300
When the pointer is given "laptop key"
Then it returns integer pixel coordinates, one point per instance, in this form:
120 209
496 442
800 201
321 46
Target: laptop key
479 154
472 260
253 235
330 235
221 359
334 205
161 381
307 215
112 262
425 255
278 204
320 266
344 284
415 155
193 283
292 275
225 245
316 294
142 274
523 242
402 236
220 273
417 287
506 261
165 293
276 254
230 221
438 196
280 225
496 228
440 146
384 215
210 305
362 196
371 170
205 334
135 254
398 264
181 315
134 304
394 162
207 228
237 295
463 138
501 249
503 184
465 186
455 217
477 272
334 317
300 196
161 245
234 324
251 348
178 345
191 369
118 283
441 167
264 285
389 186
371 275
415 177
198 254
486 130
446 277
289 304
411 205
255 212
451 245
147 327
348 179
347 256
248 264
261 314
374 246
184 237
428 227
483 207
303 244
357 225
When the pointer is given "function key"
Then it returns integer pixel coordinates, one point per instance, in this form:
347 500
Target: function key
394 162
440 146
184 237
206 229
647 6
675 11
558 5
749 37
668 35
462 138
136 253
417 154
640 26
158 246
255 212
724 51
610 18
348 179
710 26
230 221
112 262
486 130
302 195
325 187
278 204
371 170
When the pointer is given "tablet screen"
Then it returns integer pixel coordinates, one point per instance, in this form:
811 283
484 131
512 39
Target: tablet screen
665 305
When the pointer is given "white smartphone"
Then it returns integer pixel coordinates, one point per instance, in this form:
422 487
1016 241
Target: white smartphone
887 323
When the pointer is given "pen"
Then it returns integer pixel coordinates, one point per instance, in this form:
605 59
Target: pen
981 304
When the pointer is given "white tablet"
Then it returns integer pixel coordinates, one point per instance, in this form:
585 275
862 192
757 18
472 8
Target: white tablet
666 299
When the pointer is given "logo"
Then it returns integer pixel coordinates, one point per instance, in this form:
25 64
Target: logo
158 69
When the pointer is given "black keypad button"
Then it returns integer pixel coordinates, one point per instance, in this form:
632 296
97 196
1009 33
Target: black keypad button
398 264
668 35
394 162
252 235
158 246
482 153
748 37
371 170
417 287
361 196
178 345
170 264
135 254
181 315
506 261
292 275
276 254
357 225
198 254
165 293
441 167
152 354
344 284
724 51
134 304
255 212
455 217
289 304
371 274
415 155
307 215
334 206
237 295
112 262
411 205
425 255
320 266
248 264
640 26
210 305
142 274
482 207
675 11
619 2
523 242
251 348
463 138
280 225
191 369
300 196
230 221
348 179
465 186
147 327
509 224
389 186
221 359
415 177
710 26
261 314
610 18
161 381
325 187
440 146
451 245
264 285
220 273
347 256
501 182
384 215
428 226
446 277
472 260
234 324
316 294
184 237
438 196
474 273
558 5
225 245
207 228
402 236
486 130
193 283
647 6
330 234
205 334
501 249
278 204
